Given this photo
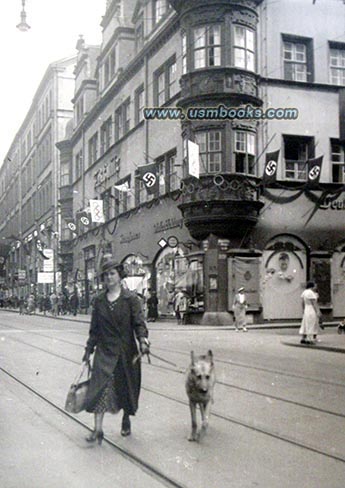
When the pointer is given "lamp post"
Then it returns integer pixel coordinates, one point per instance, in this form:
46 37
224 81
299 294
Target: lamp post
23 26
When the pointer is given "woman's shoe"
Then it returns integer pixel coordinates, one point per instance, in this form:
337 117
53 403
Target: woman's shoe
96 435
126 426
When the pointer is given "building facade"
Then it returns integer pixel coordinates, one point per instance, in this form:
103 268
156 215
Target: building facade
29 178
229 227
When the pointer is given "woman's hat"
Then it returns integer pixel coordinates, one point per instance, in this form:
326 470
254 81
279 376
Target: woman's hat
241 289
112 264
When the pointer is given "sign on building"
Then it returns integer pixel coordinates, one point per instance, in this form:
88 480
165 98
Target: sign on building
48 264
45 277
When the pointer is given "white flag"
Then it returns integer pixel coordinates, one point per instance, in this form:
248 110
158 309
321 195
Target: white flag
193 159
97 215
123 187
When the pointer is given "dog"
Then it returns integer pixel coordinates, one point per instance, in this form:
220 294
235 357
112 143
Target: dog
200 381
341 327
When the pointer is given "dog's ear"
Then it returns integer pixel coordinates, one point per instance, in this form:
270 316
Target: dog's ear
192 357
210 356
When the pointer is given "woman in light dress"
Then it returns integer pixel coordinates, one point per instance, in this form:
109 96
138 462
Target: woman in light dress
239 307
310 321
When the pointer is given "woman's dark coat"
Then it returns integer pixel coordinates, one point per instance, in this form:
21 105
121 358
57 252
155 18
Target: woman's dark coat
112 335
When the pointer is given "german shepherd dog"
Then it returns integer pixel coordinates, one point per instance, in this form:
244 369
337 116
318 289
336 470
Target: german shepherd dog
200 383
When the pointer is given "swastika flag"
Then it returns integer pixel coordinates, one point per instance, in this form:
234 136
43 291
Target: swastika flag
148 175
314 171
271 167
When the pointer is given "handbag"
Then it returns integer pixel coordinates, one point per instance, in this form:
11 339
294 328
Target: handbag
76 396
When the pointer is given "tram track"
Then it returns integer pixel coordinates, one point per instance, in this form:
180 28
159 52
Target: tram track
148 468
180 371
230 419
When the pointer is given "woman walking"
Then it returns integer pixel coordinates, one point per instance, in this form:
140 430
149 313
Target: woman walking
239 307
311 312
116 323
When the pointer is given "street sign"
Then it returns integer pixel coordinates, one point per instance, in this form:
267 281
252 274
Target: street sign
45 277
172 241
162 242
48 263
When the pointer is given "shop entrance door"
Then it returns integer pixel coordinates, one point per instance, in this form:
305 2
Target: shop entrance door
338 284
283 280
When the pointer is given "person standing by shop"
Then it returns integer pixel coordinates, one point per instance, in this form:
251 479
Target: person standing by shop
239 307
180 306
152 307
311 313
117 322
74 302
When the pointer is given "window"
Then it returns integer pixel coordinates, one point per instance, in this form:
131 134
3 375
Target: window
184 52
337 66
106 197
79 110
159 10
78 168
245 152
338 161
109 67
297 58
139 104
174 171
297 150
106 135
93 148
64 175
162 176
165 83
207 46
210 148
139 34
244 52
122 120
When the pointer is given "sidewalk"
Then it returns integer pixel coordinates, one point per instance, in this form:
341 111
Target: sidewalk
329 341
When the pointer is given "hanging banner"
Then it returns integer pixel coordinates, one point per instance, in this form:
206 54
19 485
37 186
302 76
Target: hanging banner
97 215
48 263
314 171
148 175
193 159
123 187
271 167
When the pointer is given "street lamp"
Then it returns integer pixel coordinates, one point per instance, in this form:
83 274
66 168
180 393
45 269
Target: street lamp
23 26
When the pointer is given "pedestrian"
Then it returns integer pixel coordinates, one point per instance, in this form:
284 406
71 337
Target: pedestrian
311 313
74 302
54 303
180 306
239 307
116 323
152 307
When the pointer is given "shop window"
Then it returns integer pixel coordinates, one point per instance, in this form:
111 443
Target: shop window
210 150
297 150
207 46
320 271
245 153
244 50
297 58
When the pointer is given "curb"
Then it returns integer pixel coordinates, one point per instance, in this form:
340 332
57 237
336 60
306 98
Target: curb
316 346
292 325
